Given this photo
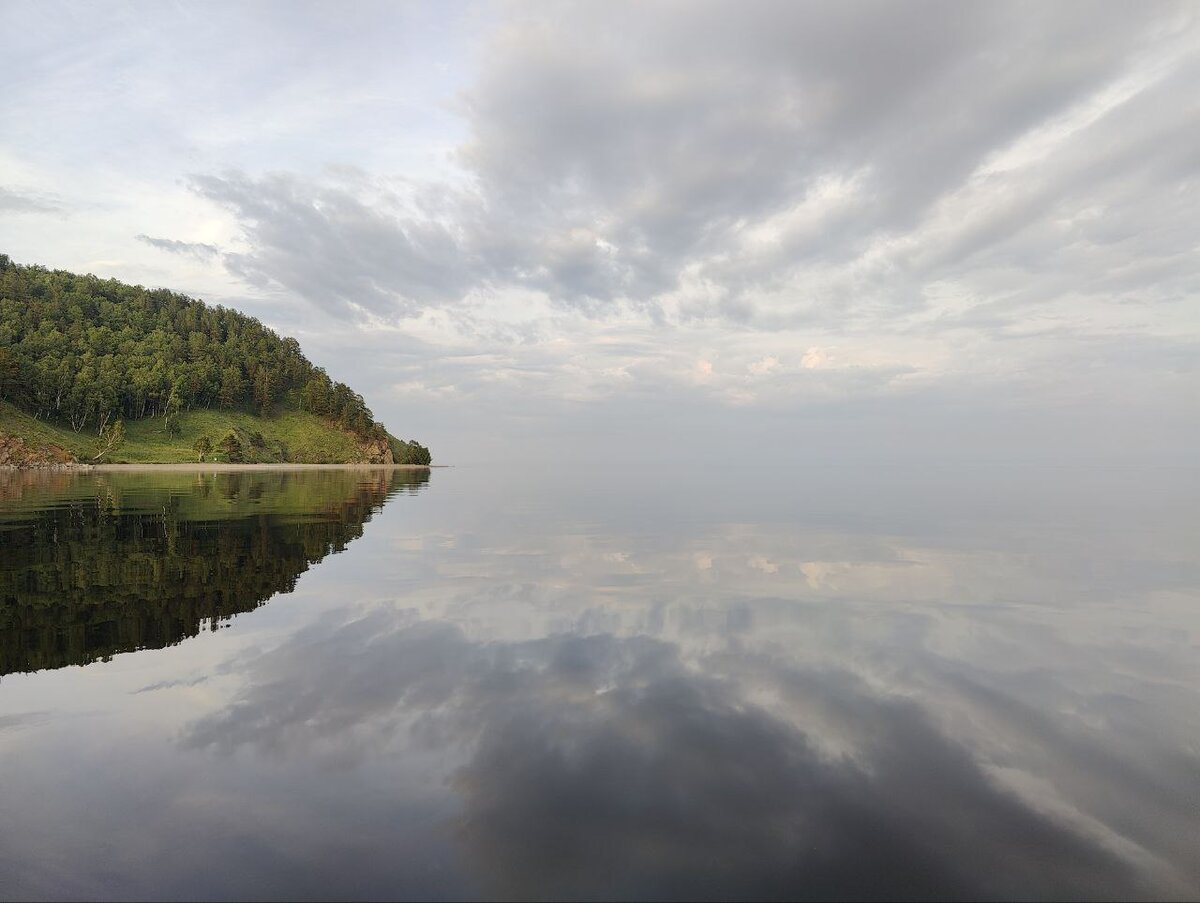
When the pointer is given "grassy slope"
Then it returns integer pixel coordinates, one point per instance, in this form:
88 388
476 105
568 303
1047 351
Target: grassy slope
38 434
309 439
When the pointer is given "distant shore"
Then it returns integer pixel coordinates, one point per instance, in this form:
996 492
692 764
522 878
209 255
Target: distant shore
215 467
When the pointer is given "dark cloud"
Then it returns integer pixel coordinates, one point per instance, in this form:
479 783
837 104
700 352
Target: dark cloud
337 250
171 684
192 249
605 767
701 119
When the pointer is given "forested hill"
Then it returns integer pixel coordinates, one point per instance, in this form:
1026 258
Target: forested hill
86 353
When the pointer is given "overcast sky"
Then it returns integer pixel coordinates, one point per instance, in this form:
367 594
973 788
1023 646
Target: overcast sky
713 230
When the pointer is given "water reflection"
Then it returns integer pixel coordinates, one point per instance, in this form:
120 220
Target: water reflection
605 767
490 696
94 566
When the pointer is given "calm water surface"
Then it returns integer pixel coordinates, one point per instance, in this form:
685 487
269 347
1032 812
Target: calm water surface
823 682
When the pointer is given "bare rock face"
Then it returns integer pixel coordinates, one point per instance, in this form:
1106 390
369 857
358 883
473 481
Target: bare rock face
378 451
15 452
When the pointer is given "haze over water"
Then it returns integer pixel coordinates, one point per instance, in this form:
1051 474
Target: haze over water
803 683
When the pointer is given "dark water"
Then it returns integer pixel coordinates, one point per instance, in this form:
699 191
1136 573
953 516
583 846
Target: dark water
830 682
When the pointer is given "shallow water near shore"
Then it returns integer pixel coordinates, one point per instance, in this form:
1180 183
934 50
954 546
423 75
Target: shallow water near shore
825 682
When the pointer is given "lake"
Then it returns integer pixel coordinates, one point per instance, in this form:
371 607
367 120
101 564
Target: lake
835 681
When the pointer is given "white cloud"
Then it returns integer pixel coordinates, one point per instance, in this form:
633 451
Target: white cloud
764 366
814 358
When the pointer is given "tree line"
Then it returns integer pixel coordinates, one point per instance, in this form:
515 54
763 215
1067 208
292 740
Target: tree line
87 351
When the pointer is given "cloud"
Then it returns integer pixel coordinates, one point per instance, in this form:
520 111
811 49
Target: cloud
20 720
814 358
192 249
764 366
753 168
835 131
14 201
344 252
171 684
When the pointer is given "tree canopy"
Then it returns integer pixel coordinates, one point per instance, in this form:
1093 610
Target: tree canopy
87 352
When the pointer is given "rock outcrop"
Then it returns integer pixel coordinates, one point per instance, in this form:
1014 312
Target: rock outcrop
16 452
377 451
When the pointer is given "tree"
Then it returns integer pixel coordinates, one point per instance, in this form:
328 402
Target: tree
410 453
233 387
231 447
314 396
9 370
202 447
110 440
178 393
171 424
264 390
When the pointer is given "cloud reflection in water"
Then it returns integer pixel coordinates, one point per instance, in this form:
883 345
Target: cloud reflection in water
600 766
643 688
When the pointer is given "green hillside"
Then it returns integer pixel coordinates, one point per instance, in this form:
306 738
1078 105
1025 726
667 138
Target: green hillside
103 371
290 436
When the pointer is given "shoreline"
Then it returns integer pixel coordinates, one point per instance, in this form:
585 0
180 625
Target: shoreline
222 467
216 467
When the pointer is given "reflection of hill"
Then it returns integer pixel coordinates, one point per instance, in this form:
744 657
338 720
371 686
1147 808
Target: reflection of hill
96 565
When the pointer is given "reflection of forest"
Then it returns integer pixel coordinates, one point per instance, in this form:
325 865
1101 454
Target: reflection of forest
94 565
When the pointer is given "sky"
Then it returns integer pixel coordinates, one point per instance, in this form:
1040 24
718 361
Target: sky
613 231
